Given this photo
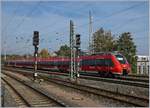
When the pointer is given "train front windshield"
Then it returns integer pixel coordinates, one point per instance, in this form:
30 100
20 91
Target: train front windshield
121 59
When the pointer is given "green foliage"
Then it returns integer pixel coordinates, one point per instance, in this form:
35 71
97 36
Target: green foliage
103 41
64 51
126 45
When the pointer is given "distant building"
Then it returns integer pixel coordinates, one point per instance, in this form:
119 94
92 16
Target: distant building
143 64
53 54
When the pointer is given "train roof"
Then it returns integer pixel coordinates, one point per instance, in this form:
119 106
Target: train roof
41 59
100 55
95 55
107 53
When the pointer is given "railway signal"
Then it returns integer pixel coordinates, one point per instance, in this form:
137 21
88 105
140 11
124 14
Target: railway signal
36 38
35 44
78 42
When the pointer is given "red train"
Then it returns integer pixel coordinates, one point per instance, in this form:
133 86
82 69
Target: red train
103 63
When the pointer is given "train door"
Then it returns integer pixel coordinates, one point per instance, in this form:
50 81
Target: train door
92 65
107 66
100 65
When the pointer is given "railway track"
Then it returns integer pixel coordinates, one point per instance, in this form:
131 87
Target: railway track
118 81
131 100
139 76
127 78
138 82
131 78
30 96
18 99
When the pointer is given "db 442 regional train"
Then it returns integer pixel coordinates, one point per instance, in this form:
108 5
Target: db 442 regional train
104 63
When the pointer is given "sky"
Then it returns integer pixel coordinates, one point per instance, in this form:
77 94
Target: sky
52 19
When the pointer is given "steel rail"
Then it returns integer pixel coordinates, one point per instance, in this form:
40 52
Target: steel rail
139 79
118 81
25 101
40 91
109 94
105 93
95 78
140 76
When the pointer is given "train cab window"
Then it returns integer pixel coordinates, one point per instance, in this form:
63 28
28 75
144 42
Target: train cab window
121 59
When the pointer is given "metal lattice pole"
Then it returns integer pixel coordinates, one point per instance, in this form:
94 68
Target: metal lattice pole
35 44
90 32
71 50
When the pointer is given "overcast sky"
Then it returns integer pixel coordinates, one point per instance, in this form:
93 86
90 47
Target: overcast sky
51 19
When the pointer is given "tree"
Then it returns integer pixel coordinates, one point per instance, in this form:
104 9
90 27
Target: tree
103 41
126 45
44 53
64 51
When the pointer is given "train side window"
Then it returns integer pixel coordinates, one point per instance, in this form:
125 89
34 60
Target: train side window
54 63
100 62
39 63
92 62
51 63
85 62
66 63
104 62
80 62
31 63
59 63
148 69
108 62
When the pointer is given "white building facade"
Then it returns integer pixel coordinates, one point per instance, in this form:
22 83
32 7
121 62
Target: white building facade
143 65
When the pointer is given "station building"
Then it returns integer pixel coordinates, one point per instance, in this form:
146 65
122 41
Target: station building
143 65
